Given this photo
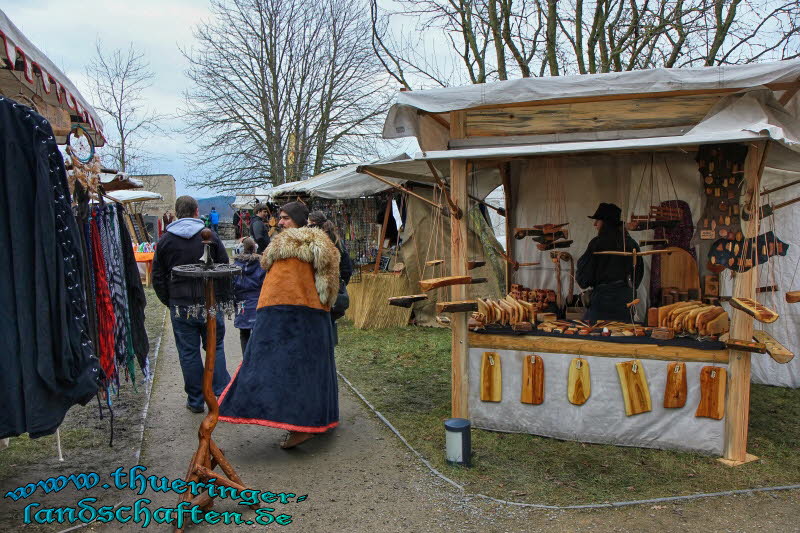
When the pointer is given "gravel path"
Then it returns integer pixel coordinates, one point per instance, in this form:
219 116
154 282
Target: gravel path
360 478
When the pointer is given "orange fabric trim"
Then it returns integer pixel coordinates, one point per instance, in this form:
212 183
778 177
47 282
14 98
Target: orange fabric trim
290 282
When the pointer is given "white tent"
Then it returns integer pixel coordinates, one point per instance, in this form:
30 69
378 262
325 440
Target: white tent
133 196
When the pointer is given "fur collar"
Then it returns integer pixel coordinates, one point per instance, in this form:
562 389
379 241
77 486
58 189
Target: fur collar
313 246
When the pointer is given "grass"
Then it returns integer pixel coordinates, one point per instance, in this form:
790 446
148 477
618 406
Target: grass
24 451
405 374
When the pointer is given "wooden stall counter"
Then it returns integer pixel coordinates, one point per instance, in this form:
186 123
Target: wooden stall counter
584 346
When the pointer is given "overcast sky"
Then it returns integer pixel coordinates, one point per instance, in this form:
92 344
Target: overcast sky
66 33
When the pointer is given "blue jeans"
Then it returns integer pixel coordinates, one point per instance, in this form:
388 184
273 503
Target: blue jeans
215 227
189 332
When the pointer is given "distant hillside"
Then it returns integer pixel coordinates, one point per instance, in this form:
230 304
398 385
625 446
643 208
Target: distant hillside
222 203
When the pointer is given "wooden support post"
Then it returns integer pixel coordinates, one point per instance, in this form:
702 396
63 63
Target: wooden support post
458 267
737 405
383 235
505 172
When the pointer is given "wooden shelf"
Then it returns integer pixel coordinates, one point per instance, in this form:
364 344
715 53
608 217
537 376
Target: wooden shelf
582 346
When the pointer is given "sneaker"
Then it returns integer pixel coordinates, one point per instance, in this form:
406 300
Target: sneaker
198 409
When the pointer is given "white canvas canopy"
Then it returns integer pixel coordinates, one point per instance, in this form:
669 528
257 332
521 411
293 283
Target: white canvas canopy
403 118
748 116
134 196
339 184
40 76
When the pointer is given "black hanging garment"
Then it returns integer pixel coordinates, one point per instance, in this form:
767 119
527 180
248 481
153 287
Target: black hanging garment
47 363
136 297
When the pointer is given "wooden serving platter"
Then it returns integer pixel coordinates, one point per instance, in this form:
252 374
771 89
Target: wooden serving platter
713 382
579 385
532 380
635 392
491 378
459 306
755 309
745 346
434 283
776 350
675 389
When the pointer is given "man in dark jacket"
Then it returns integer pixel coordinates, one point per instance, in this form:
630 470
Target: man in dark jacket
612 277
259 230
181 244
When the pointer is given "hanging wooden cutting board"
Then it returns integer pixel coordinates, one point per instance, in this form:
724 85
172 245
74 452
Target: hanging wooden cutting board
679 269
532 380
579 385
491 378
713 382
635 391
675 389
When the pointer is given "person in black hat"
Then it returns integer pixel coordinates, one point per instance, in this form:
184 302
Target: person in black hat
612 277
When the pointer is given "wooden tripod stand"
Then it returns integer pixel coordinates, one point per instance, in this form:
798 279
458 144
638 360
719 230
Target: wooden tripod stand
208 455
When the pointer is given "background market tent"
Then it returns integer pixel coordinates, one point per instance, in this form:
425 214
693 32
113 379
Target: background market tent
425 233
28 76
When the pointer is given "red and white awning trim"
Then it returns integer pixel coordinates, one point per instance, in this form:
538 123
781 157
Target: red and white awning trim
17 47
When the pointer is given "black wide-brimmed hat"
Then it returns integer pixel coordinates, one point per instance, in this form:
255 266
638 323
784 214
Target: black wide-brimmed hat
608 213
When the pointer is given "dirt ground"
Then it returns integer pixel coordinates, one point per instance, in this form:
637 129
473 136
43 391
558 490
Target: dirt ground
360 478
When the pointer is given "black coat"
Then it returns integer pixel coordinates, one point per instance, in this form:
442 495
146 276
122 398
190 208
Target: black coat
48 362
260 233
136 298
594 270
173 250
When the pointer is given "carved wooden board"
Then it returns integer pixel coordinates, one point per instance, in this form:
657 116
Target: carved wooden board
635 392
532 380
634 113
491 378
679 269
775 349
579 385
676 386
429 284
713 382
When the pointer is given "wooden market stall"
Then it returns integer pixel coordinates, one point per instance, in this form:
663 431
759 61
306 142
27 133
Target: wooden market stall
644 140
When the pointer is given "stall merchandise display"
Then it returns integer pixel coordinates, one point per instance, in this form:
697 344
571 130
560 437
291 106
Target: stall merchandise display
49 362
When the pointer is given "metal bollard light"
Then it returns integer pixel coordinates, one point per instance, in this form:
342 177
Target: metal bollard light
458 442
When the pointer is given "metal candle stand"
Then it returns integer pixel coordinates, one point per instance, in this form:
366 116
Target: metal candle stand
208 455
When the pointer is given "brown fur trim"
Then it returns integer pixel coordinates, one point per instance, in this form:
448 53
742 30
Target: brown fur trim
247 258
312 246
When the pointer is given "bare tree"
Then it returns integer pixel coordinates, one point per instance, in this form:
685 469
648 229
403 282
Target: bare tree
552 37
117 81
282 89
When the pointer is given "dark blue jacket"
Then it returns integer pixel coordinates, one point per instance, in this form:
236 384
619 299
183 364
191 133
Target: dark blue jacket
247 288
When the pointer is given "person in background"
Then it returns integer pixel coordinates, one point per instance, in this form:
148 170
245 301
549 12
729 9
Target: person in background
182 244
317 219
237 225
293 215
259 229
213 218
247 288
612 277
